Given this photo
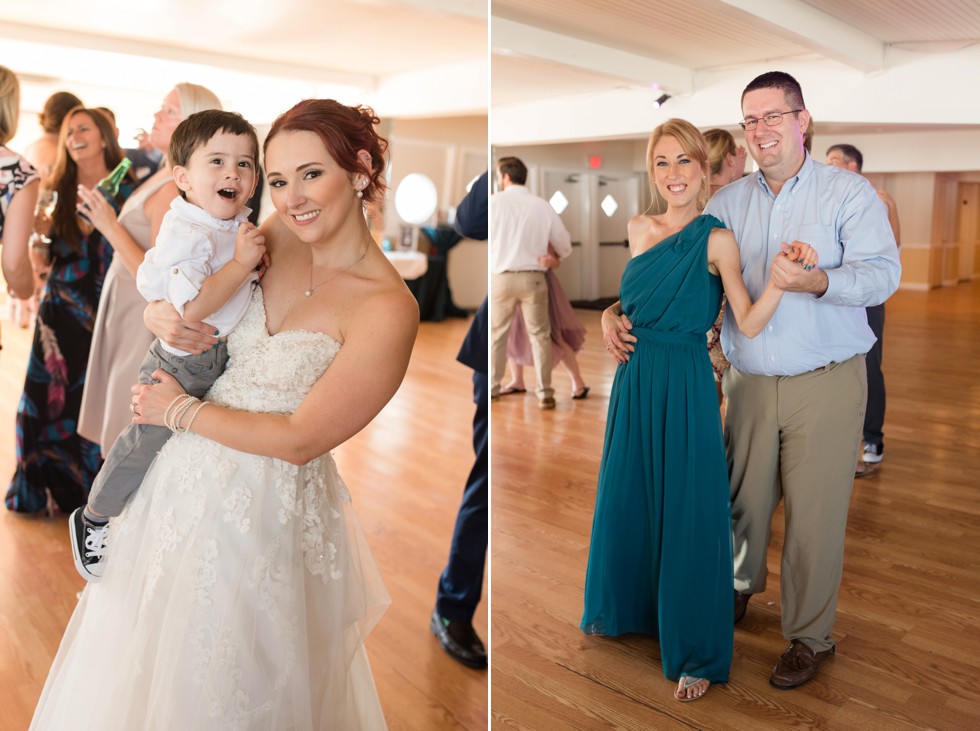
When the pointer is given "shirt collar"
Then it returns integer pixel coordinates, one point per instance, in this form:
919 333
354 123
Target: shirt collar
802 175
196 214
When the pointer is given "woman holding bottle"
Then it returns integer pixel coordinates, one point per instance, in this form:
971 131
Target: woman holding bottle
120 338
54 464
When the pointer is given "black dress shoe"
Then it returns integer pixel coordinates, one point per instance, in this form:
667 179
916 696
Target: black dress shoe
460 640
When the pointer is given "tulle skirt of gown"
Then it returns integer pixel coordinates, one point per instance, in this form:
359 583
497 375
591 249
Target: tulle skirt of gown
238 589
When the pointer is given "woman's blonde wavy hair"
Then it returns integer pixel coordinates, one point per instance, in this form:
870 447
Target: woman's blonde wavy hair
694 145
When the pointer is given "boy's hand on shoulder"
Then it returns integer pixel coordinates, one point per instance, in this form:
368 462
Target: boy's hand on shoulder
264 265
249 246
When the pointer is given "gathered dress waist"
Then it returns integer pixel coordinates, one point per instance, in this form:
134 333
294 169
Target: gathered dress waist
669 337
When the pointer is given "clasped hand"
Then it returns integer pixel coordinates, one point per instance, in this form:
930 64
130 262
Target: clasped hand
793 266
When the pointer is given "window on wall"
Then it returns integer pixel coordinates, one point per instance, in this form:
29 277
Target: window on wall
609 206
559 202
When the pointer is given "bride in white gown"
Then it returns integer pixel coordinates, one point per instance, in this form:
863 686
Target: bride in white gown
238 588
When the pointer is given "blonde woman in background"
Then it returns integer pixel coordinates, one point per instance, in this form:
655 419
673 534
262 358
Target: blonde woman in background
727 163
121 339
18 195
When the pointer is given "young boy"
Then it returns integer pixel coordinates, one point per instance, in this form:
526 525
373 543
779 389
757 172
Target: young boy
204 264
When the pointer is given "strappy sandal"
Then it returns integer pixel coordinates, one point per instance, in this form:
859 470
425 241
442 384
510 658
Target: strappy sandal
508 390
687 682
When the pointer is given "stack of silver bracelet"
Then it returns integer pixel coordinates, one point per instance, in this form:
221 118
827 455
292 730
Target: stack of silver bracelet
178 408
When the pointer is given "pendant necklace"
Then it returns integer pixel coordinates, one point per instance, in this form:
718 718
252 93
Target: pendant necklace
309 292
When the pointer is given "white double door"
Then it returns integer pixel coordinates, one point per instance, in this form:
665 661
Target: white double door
597 208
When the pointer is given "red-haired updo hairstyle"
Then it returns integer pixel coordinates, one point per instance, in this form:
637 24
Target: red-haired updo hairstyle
344 130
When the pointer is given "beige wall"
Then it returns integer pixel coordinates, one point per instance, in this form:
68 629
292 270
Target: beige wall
451 151
940 235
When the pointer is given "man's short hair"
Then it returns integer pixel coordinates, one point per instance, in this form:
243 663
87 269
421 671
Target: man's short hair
850 153
778 80
514 169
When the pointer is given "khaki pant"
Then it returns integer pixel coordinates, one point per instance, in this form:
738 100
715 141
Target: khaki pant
795 438
530 290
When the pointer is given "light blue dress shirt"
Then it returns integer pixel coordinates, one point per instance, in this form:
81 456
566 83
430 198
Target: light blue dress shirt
840 215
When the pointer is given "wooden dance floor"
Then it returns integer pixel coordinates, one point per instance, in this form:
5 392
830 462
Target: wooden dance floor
908 622
406 473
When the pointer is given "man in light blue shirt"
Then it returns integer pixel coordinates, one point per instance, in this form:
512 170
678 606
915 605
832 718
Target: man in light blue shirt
796 392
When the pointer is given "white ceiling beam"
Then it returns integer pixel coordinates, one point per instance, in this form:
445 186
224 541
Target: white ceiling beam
241 64
817 30
411 94
514 38
469 8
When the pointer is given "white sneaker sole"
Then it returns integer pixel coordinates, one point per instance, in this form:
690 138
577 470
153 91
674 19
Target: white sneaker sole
79 566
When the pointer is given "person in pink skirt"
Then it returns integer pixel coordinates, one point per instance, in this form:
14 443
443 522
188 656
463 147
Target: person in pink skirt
567 336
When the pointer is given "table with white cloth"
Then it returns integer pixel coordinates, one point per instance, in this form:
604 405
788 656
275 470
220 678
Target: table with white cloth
409 264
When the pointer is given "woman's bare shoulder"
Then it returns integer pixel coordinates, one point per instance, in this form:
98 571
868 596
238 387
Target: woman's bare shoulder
387 291
644 231
641 222
722 246
721 236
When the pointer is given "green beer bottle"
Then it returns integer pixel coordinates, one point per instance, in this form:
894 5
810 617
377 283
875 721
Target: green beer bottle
109 185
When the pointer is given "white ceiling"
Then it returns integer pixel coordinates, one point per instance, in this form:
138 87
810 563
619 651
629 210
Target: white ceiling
407 58
579 69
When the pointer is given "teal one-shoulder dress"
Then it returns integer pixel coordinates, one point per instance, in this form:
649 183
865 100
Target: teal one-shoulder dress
660 560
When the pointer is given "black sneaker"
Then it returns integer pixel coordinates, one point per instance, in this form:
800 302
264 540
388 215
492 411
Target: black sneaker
460 640
873 453
88 545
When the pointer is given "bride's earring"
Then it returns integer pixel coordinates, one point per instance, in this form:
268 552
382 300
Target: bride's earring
361 185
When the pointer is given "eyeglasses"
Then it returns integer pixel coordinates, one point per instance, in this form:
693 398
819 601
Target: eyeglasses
771 120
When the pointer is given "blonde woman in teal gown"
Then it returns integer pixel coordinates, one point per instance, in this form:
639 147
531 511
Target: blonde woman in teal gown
660 560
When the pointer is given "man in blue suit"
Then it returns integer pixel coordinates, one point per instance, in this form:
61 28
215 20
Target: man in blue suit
461 583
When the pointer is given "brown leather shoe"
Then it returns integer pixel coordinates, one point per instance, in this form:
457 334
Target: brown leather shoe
797 665
547 403
741 604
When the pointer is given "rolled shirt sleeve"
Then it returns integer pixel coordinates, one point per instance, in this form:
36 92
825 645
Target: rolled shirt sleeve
558 236
175 269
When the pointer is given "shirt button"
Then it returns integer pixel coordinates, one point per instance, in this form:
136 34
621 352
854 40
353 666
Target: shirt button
770 328
772 358
175 270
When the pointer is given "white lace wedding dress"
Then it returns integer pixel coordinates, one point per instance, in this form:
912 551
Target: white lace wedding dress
238 589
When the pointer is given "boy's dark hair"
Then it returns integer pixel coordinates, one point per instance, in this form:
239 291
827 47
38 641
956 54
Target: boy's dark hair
200 127
513 167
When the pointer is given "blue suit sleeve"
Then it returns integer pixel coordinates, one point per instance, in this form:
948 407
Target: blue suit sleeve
471 214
